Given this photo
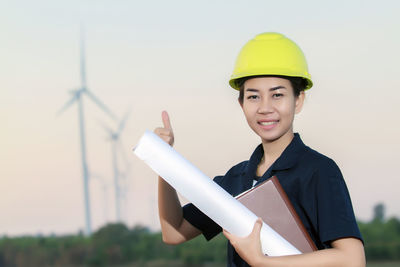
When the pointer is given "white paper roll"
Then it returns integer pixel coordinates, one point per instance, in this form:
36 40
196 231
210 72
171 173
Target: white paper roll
206 195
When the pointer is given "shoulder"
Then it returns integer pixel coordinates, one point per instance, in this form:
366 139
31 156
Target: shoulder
319 163
317 169
326 181
236 171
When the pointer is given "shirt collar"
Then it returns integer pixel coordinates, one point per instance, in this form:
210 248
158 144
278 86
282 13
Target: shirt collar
286 160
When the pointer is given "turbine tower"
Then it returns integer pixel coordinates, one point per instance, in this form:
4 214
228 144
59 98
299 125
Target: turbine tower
115 139
77 96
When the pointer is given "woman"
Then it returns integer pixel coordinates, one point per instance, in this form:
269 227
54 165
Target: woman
271 75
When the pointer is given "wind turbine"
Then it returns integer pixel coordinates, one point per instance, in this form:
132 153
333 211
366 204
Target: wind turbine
77 96
115 140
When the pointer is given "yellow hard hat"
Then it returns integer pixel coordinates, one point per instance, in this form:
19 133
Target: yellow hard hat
270 53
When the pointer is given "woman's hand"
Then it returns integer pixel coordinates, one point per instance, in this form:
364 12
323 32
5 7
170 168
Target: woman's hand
165 133
344 252
248 248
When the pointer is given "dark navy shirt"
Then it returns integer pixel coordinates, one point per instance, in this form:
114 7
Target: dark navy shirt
313 183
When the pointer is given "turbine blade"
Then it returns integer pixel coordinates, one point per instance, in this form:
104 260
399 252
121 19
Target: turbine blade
82 56
68 104
123 122
106 128
100 104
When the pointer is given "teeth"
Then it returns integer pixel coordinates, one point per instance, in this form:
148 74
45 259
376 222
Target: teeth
267 123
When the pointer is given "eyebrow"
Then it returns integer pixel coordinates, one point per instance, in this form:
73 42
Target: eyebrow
277 87
270 89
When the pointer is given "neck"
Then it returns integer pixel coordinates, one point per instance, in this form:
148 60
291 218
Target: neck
273 149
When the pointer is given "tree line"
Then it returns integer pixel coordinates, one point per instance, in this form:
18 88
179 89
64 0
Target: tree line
112 245
117 245
381 236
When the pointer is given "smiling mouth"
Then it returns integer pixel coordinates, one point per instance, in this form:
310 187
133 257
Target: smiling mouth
267 123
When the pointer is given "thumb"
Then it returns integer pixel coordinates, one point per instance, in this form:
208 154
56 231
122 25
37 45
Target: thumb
165 119
257 227
227 234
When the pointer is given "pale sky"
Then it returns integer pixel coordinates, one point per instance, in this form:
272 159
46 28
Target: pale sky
148 56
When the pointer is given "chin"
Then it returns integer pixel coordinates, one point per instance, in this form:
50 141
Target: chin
272 136
269 139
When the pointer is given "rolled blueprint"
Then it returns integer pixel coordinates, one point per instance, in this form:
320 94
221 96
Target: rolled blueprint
206 195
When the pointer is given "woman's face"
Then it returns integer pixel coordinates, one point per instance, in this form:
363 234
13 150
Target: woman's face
269 106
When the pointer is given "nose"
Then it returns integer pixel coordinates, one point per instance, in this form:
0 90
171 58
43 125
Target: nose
265 106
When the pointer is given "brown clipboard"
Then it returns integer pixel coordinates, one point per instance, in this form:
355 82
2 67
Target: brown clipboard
269 201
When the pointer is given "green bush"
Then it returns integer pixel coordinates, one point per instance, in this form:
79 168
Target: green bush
117 245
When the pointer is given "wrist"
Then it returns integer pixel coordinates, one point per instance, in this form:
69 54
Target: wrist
260 260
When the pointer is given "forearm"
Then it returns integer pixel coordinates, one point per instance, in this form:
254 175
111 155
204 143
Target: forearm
351 256
175 229
169 209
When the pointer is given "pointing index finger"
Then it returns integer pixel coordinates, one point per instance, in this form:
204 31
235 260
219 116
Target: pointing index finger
166 121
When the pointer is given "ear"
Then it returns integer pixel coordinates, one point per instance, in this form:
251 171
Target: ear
299 102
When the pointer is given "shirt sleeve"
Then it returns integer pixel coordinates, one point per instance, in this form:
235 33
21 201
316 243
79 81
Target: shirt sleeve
201 221
335 216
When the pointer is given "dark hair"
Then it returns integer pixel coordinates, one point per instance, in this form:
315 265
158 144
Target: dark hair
298 84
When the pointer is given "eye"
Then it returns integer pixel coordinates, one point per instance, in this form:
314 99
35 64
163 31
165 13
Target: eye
252 97
277 95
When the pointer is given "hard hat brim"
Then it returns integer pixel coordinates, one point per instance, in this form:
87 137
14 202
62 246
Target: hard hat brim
233 82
